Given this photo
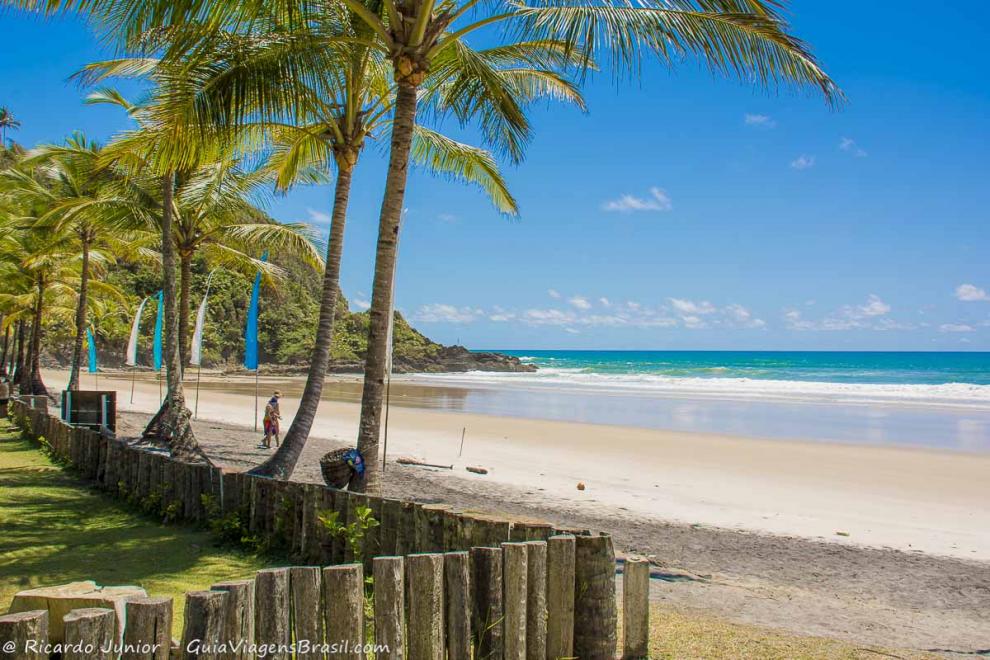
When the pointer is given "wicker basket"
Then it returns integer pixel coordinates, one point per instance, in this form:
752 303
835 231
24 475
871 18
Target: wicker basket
336 472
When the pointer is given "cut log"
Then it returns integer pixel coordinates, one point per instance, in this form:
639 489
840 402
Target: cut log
457 604
148 635
343 609
594 597
560 596
90 634
424 606
389 606
536 600
24 635
635 609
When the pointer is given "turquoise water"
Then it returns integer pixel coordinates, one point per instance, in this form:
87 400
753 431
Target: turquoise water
935 400
806 366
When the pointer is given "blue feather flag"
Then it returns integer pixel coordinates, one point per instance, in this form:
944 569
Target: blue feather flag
92 350
251 330
158 331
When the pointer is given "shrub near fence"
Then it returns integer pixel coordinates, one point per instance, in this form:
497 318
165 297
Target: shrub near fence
480 595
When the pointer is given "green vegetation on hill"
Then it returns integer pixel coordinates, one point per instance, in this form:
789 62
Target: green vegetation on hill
289 308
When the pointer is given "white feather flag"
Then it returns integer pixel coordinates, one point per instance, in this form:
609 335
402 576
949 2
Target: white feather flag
196 354
132 342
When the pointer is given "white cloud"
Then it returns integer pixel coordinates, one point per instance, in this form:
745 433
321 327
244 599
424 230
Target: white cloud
499 315
955 327
657 201
441 313
874 306
869 315
553 293
605 302
689 307
361 304
803 162
447 217
760 121
740 316
580 302
849 145
318 217
572 331
971 293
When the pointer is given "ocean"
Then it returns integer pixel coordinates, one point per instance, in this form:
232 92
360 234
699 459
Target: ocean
955 379
922 399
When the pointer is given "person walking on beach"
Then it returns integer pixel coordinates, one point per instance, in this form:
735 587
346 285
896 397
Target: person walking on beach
272 417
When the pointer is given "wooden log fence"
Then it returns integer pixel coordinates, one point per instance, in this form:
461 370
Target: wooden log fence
447 584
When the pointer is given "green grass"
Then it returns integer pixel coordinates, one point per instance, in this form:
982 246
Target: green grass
57 529
677 635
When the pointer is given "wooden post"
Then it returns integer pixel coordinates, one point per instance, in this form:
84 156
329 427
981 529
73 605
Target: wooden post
343 608
389 606
238 621
457 604
90 634
594 597
307 615
202 625
636 609
514 573
148 633
560 596
536 600
27 632
271 609
424 606
486 611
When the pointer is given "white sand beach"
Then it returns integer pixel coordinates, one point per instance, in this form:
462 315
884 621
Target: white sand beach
915 500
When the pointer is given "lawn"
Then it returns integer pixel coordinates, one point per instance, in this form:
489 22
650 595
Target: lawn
57 529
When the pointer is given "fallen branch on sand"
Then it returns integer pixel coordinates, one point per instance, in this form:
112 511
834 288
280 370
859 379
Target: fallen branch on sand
417 463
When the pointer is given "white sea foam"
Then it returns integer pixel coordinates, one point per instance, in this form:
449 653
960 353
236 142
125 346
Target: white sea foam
963 395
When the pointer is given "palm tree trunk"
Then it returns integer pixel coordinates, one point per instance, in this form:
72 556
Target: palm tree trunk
376 358
284 461
6 346
77 346
171 423
20 373
35 384
185 277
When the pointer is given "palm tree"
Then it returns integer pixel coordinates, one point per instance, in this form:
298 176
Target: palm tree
99 206
324 119
7 121
40 277
745 37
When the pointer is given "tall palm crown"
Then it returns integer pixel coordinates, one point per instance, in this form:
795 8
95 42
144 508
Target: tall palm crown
7 121
105 212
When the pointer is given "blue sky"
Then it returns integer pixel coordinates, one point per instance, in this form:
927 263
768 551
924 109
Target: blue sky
682 211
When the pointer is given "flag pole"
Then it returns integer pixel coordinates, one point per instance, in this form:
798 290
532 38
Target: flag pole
388 372
199 376
388 395
133 379
256 369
